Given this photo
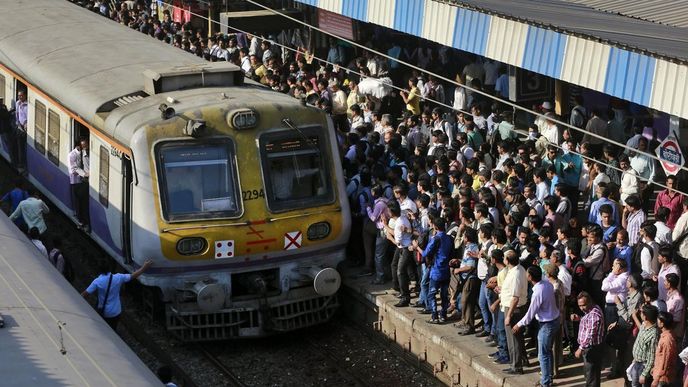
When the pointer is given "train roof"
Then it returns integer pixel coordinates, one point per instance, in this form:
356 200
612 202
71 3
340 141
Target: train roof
34 297
79 58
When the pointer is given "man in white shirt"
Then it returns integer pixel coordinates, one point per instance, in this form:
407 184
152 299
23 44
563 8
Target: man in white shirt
648 257
32 210
78 181
629 179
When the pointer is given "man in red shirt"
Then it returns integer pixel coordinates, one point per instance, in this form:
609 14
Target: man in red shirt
670 199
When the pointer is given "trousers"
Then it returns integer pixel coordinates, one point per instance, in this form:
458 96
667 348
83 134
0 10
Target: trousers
515 342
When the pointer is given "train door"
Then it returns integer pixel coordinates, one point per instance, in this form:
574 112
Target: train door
79 131
127 182
20 161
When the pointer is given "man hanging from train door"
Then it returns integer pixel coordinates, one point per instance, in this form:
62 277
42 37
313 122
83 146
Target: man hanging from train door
78 182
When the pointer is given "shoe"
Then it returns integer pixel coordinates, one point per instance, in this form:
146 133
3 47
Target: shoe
434 321
402 303
377 282
490 339
467 332
482 334
365 274
419 304
511 371
538 384
443 320
494 355
424 311
501 360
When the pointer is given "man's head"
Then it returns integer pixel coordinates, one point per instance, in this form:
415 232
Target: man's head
619 266
534 274
585 303
665 321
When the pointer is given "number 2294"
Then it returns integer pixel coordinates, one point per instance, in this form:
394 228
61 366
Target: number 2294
252 194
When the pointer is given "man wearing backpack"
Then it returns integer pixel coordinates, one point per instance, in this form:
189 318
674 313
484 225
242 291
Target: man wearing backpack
597 263
108 287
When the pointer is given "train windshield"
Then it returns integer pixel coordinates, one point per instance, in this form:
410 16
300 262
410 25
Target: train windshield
198 181
295 170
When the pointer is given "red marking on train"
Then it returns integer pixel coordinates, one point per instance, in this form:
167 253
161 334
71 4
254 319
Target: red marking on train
293 241
258 233
261 241
257 221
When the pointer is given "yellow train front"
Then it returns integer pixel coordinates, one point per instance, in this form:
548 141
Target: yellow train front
240 192
234 191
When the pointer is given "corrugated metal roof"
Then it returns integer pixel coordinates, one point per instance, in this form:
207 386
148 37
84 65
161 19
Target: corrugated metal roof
669 12
408 16
566 16
470 32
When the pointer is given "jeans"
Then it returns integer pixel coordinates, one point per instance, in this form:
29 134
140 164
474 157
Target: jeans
424 296
501 335
484 301
380 255
443 287
634 372
548 330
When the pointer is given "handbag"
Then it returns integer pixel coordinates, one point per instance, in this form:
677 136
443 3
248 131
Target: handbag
101 310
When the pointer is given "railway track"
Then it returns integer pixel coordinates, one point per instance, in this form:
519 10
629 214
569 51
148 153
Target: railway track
232 377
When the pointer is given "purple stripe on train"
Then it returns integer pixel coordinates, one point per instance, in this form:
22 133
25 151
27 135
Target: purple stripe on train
56 181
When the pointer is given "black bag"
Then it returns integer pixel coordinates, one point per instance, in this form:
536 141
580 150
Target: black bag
101 310
617 336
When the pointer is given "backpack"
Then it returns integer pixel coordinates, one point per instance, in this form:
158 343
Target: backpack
355 202
604 265
585 118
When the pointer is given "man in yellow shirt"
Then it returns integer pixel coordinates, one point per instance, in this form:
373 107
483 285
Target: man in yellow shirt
412 97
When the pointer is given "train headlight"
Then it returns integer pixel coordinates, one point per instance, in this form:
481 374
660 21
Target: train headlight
191 246
318 231
243 119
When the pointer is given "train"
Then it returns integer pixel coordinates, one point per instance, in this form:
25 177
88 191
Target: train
233 190
51 335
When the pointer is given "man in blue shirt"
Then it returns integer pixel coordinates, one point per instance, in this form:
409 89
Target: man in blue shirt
14 197
543 307
108 286
436 255
603 193
622 250
569 170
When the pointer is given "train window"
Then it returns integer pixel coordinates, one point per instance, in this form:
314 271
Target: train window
198 180
104 176
54 137
39 125
295 169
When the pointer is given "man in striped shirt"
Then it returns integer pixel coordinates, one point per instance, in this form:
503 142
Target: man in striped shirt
590 335
633 218
644 347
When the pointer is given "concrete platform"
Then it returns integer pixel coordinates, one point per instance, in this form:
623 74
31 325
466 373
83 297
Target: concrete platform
456 360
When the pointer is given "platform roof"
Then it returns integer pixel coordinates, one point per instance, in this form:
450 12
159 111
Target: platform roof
620 23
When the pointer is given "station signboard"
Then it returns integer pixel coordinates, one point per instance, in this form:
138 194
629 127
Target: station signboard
670 155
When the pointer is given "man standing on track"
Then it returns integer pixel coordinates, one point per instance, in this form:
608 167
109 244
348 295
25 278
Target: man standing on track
108 286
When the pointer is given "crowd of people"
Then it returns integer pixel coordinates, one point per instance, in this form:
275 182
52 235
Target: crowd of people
552 237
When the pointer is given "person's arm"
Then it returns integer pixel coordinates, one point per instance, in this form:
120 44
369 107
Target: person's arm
90 289
16 213
651 358
645 263
141 270
661 363
513 304
45 207
535 302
